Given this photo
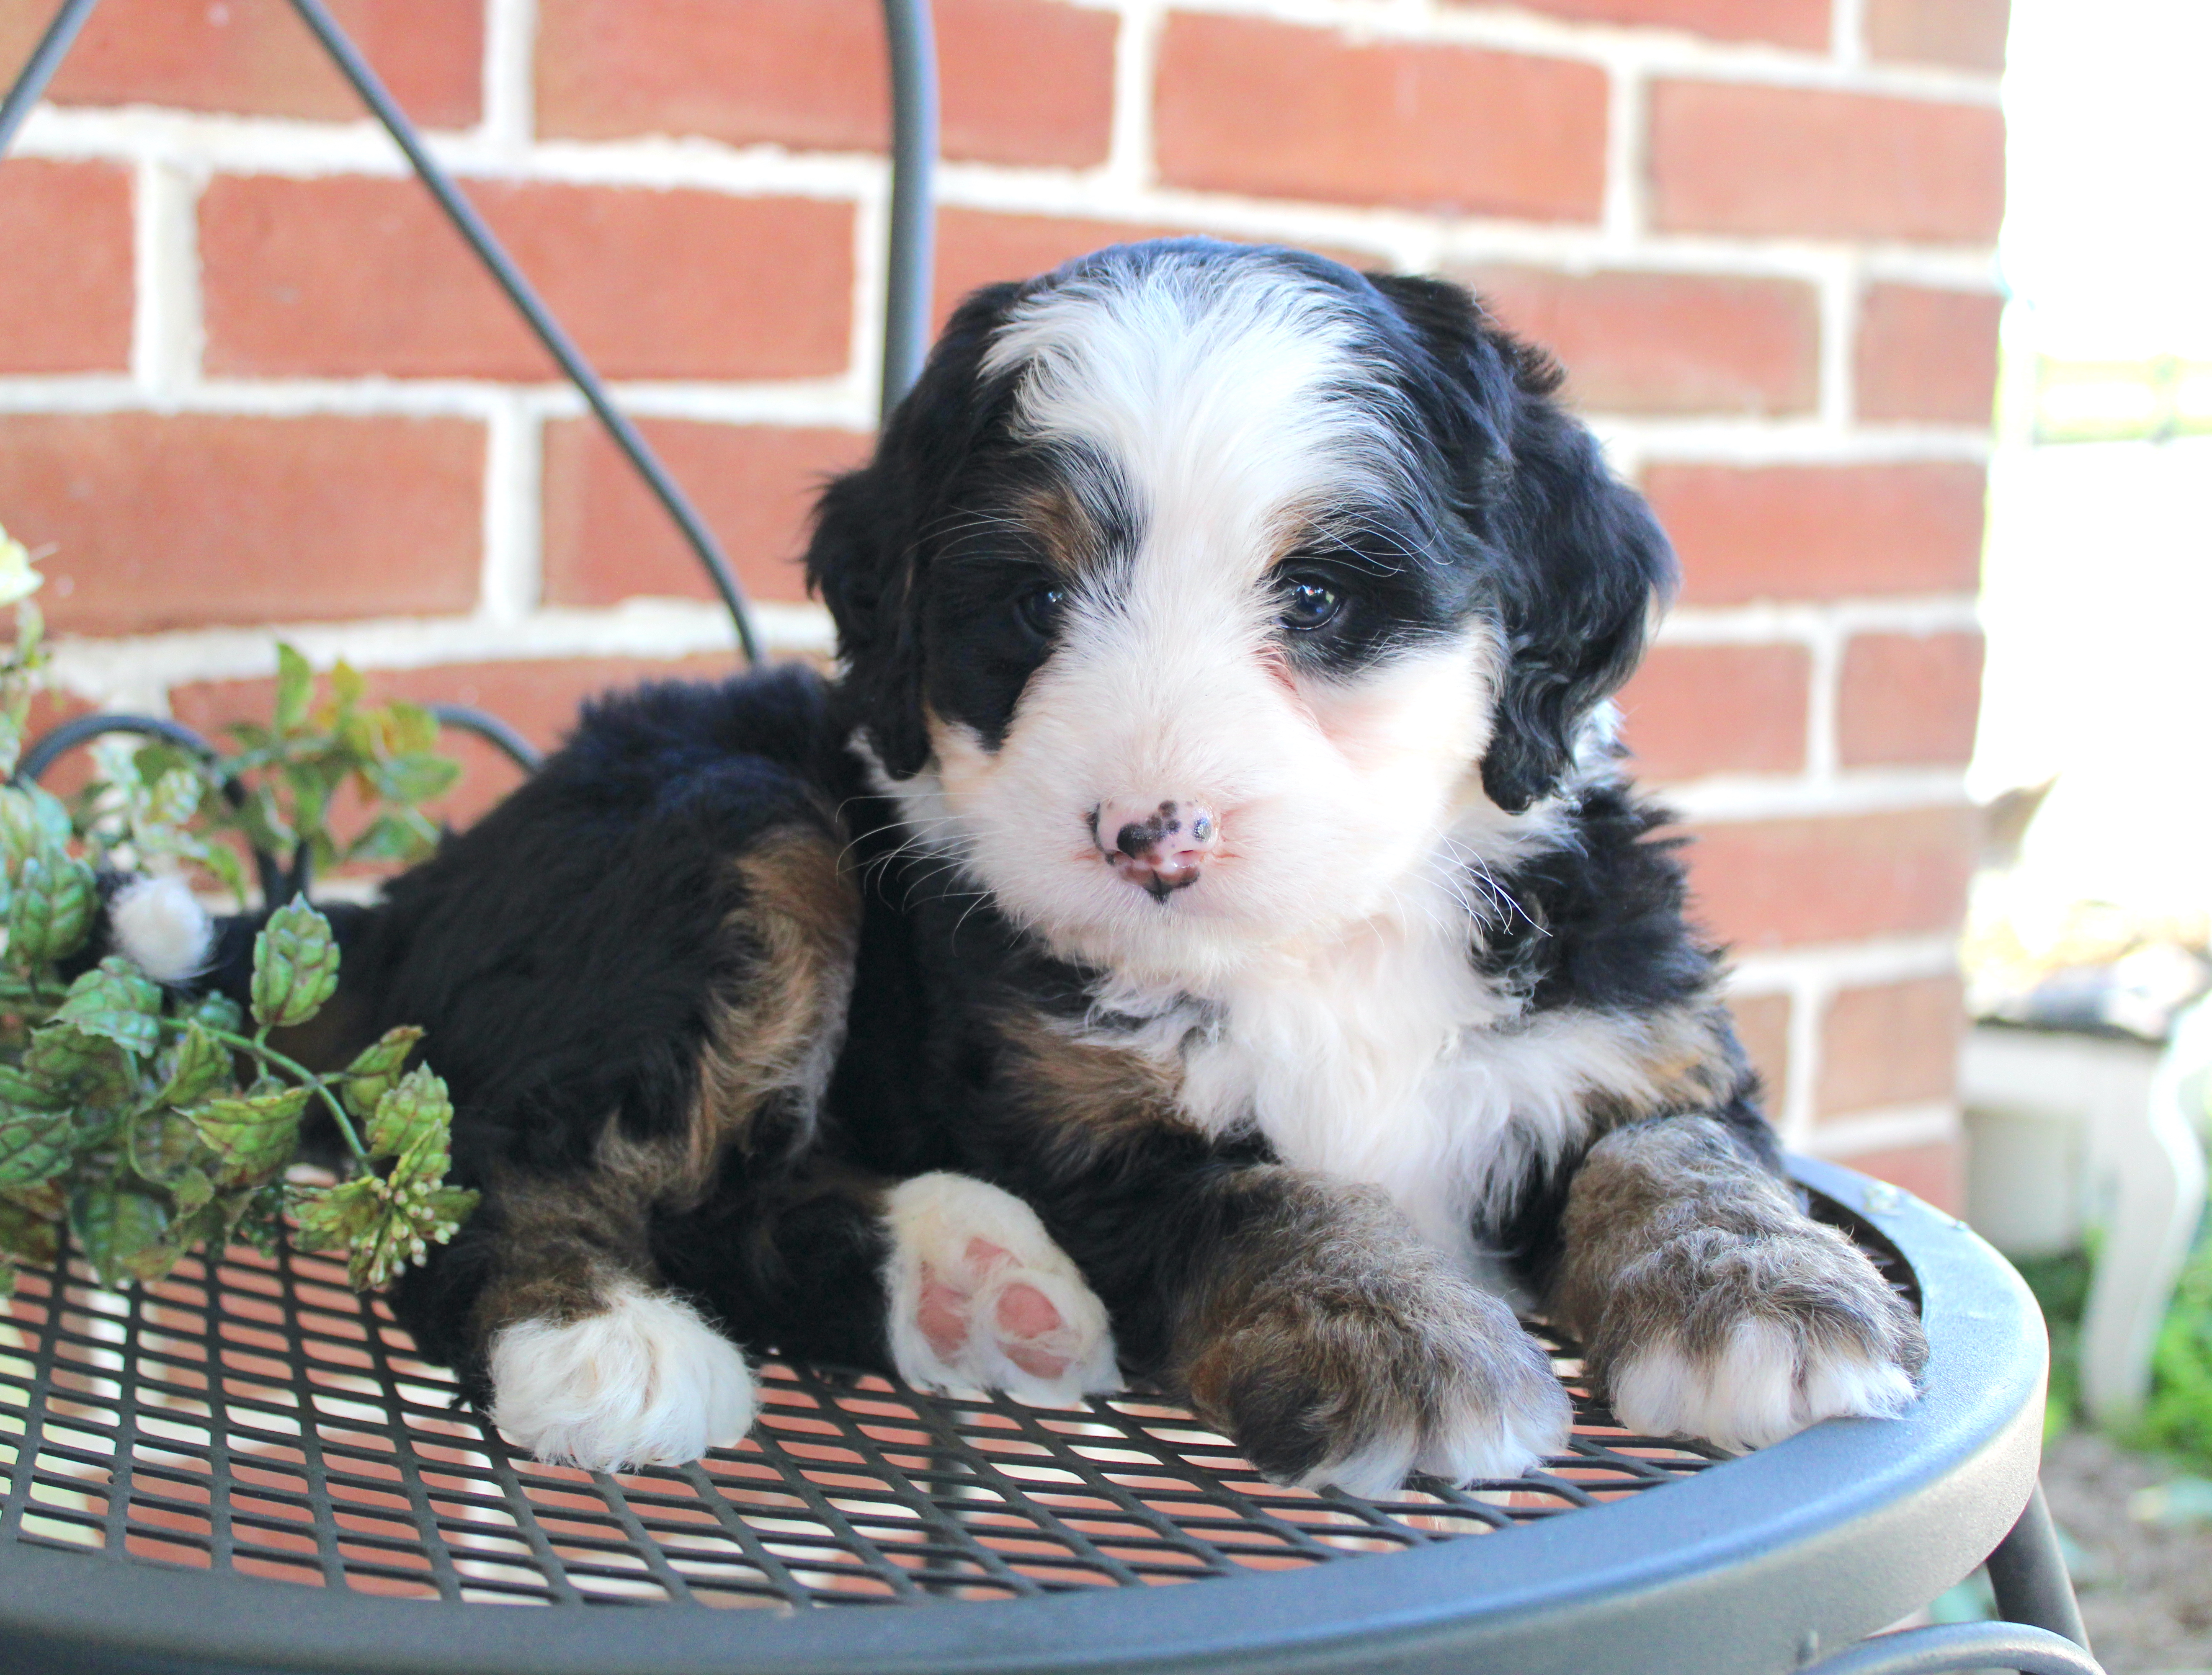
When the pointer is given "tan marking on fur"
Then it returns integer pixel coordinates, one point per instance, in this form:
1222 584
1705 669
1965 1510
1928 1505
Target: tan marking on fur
1091 1091
1690 1058
566 1241
1063 528
780 1029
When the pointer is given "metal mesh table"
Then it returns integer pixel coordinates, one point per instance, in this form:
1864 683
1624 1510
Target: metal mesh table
261 1419
246 1466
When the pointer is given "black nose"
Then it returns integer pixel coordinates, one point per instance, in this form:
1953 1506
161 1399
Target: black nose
1133 839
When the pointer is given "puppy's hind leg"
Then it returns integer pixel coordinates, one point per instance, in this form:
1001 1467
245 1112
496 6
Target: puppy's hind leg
590 1361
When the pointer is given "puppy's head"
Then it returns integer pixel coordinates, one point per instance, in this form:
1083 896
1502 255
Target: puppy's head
1199 594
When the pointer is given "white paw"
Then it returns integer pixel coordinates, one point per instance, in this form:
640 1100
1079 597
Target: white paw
1507 1439
646 1383
164 930
1480 1429
1760 1386
982 1299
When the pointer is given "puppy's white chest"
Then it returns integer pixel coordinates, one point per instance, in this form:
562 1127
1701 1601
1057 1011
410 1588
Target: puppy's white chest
1382 1064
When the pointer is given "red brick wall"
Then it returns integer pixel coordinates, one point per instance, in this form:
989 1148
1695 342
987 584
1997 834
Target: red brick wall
248 381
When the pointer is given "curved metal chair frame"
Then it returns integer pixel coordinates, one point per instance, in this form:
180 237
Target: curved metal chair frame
1762 1566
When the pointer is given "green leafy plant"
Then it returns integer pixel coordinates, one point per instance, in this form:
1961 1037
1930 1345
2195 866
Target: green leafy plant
2178 1417
158 801
150 1123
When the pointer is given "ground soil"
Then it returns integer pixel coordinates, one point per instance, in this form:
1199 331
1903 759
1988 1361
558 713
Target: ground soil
2146 1587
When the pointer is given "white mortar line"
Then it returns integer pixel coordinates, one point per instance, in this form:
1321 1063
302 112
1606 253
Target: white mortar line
862 385
296 149
1623 218
510 88
1808 1005
1838 292
1787 441
1844 965
166 334
512 579
1130 168
658 629
836 405
1847 32
1736 797
1666 50
1891 1129
1822 702
1804 623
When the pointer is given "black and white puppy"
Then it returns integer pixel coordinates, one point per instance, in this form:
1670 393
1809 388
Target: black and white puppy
1202 935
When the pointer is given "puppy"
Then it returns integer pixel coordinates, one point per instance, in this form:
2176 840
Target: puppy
1202 935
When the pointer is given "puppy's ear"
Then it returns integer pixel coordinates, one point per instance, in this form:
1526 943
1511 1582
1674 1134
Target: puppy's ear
1582 562
869 557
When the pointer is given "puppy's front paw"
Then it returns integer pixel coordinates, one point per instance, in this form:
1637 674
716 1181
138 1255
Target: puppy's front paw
1746 1339
982 1299
1354 1387
646 1382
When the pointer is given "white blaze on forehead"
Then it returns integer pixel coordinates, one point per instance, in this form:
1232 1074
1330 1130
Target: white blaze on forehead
1228 398
1231 404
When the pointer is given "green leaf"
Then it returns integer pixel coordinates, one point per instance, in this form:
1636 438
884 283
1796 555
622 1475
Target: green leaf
87 1071
119 1230
412 729
295 687
174 798
163 1144
218 859
191 1188
347 686
417 777
412 1110
415 1219
400 834
253 1136
20 834
356 740
34 1145
115 1001
51 910
52 814
198 1063
28 1092
332 1218
219 1012
11 741
31 1223
375 1070
295 966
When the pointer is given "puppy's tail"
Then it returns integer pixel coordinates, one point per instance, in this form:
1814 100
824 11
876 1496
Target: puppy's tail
163 929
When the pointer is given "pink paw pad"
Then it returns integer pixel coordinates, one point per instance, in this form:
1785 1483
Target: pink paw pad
1022 1314
981 1299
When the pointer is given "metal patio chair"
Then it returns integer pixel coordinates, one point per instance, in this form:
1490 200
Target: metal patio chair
245 1467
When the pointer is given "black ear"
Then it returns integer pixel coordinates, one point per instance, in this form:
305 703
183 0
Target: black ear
1582 564
869 555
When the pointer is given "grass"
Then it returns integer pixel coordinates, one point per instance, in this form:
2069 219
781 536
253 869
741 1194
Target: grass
2176 1420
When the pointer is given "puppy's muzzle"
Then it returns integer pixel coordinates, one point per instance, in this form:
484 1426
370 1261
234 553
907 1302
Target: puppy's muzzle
1161 847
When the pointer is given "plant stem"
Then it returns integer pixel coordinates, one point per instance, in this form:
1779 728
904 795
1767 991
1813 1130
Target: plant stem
306 1077
13 988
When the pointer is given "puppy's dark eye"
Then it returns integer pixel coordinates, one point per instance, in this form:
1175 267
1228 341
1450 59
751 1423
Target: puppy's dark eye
1309 603
1040 610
